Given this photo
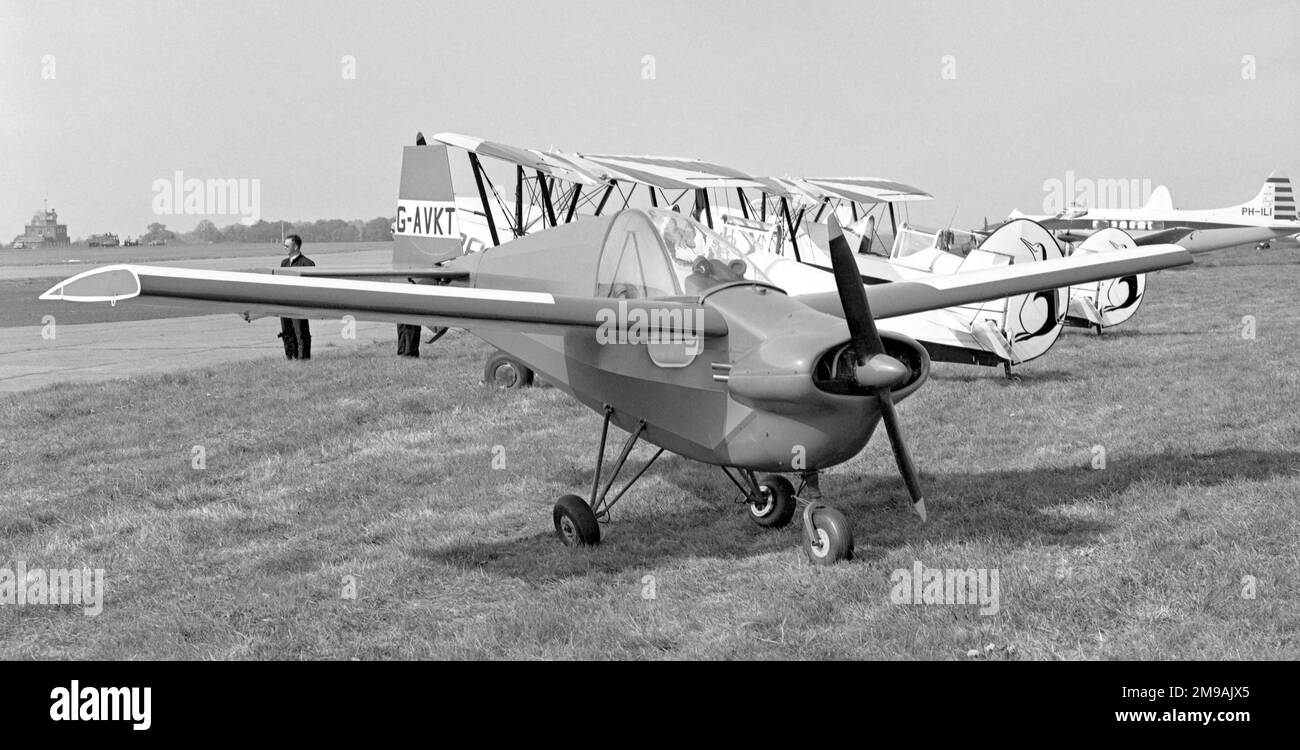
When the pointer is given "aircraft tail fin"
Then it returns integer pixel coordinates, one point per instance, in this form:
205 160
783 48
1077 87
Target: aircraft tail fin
427 227
1160 200
1275 200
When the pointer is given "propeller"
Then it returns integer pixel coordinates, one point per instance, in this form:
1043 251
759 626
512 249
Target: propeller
874 369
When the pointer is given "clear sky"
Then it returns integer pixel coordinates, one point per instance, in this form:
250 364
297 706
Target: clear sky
1161 91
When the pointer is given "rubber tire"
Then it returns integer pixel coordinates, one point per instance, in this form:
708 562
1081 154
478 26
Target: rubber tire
575 524
836 535
501 361
781 505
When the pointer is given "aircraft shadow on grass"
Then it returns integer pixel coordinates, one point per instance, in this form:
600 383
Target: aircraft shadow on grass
966 507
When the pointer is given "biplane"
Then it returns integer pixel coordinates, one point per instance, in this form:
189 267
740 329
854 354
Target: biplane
670 333
787 217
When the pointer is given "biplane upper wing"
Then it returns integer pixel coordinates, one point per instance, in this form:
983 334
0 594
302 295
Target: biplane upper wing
906 297
672 172
294 296
547 163
867 189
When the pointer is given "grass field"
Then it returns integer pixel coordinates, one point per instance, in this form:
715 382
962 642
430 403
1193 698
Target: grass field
1185 545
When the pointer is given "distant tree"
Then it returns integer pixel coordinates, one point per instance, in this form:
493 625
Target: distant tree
158 232
233 233
377 230
263 231
346 233
206 231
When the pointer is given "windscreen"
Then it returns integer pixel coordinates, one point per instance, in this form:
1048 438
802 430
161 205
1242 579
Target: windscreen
701 258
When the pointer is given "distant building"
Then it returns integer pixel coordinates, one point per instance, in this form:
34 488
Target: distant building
44 231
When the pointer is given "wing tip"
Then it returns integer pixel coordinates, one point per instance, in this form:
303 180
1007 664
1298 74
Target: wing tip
105 284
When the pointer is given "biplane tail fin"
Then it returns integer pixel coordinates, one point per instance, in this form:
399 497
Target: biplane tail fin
427 229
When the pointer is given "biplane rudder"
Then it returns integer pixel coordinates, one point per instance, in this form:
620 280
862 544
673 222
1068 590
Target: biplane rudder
427 228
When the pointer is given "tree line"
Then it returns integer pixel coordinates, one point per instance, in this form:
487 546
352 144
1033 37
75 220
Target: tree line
321 230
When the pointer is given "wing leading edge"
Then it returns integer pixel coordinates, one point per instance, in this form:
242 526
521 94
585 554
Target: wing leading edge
906 297
296 296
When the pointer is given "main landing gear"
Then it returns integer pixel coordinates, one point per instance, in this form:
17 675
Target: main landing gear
1011 376
576 521
504 371
828 537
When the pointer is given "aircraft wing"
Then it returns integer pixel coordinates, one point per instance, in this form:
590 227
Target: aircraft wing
436 274
905 297
1161 237
868 189
420 304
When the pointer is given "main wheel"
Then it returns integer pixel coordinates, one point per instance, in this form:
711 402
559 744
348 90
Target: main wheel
575 524
775 505
504 371
832 537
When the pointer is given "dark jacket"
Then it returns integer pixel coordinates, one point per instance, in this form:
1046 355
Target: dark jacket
295 332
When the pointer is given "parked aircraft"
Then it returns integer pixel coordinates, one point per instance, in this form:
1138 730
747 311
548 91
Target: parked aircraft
664 328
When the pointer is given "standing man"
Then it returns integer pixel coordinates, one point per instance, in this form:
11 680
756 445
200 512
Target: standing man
296 332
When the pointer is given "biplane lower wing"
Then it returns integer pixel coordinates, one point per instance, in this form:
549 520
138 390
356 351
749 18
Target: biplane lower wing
296 296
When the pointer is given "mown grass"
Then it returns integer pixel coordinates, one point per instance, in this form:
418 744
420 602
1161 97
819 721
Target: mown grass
371 466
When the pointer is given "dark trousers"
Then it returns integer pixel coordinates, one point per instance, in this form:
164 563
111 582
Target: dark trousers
296 333
408 340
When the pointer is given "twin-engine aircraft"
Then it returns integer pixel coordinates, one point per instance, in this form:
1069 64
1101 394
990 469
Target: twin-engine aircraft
669 332
767 218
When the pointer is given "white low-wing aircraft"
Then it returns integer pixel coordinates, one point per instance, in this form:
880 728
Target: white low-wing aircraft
1270 214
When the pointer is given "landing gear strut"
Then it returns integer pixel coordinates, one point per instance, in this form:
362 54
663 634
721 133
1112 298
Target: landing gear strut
1011 376
828 536
577 522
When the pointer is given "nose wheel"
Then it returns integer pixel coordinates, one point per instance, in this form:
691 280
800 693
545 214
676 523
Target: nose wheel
828 537
827 534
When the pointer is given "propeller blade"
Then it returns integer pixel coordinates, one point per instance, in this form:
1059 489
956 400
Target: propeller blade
853 296
901 455
880 373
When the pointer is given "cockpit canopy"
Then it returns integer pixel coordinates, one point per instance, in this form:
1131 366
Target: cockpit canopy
662 253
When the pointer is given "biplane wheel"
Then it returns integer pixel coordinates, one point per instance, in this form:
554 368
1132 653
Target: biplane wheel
775 505
504 371
832 537
575 524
